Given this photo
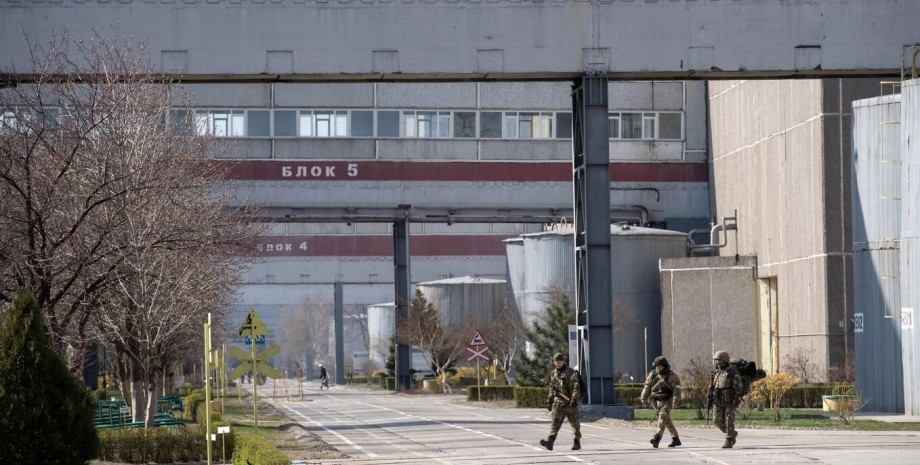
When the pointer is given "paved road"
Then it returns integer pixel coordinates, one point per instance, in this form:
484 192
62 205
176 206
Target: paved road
375 427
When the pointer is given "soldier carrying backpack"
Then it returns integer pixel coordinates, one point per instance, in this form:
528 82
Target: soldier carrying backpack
662 387
725 391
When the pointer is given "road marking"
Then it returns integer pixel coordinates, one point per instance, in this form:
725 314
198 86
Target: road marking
343 438
574 458
709 458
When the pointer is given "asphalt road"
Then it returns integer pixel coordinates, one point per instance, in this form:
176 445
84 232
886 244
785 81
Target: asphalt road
376 427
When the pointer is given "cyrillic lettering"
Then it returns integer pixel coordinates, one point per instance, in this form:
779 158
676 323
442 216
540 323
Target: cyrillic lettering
286 171
316 171
330 171
301 171
352 169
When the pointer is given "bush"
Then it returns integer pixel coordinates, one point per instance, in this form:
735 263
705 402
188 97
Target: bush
628 395
388 382
46 413
530 397
255 449
200 414
191 403
489 393
158 444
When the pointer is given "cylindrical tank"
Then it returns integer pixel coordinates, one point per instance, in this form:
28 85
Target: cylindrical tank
514 251
876 187
550 263
910 243
381 327
467 298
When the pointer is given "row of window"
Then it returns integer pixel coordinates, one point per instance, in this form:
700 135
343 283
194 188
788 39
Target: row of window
413 124
426 124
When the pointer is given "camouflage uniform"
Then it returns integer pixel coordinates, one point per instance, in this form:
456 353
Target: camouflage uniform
727 387
661 388
565 380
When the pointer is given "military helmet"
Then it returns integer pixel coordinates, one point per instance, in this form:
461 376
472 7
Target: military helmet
660 360
721 356
558 357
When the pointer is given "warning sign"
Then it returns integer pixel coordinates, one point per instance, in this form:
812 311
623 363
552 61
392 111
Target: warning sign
477 340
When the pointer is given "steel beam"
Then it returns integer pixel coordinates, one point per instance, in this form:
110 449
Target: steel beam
339 335
403 284
593 294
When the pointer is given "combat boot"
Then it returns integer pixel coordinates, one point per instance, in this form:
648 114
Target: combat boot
576 445
729 442
655 440
548 442
675 441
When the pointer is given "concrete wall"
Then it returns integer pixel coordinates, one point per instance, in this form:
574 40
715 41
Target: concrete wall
707 304
448 39
781 153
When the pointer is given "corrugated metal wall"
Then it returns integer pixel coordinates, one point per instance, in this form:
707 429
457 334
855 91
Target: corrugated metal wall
514 251
876 187
381 325
910 243
549 263
467 298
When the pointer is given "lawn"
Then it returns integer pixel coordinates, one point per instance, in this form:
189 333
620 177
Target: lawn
806 418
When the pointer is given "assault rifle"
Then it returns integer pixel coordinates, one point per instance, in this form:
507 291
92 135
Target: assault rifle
555 390
709 402
657 411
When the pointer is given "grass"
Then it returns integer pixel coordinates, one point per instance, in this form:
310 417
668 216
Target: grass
764 419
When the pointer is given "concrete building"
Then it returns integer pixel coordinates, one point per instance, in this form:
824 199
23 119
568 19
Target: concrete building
781 160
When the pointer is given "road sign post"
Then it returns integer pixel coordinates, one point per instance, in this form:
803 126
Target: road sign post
478 354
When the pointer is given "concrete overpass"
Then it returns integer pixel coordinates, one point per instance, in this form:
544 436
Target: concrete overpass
367 40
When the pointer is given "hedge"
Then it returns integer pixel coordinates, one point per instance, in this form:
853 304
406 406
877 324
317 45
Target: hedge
489 393
257 450
530 397
159 444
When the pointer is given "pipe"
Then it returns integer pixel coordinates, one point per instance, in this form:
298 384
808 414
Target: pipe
728 223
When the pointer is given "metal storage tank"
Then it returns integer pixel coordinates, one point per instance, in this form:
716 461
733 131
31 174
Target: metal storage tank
381 326
876 187
467 297
514 251
910 243
635 252
549 266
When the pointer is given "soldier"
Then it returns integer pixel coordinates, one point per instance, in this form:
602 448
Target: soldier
563 401
662 386
725 389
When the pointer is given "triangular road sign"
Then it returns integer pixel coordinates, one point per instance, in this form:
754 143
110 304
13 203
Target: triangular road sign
253 324
477 340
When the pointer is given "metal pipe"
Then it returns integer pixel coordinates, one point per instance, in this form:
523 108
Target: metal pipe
728 223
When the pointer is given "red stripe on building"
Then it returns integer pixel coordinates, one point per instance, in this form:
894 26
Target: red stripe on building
378 246
276 170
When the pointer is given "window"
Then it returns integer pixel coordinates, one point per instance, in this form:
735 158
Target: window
258 123
323 123
646 126
670 126
464 124
528 125
563 125
220 123
285 123
387 124
426 124
490 125
362 123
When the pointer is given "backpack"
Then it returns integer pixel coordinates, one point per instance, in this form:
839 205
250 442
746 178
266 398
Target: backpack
582 387
749 374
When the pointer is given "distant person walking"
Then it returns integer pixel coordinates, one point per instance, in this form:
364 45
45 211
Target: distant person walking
726 388
662 391
323 377
563 401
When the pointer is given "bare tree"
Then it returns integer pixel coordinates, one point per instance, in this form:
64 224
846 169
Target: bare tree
506 337
307 330
110 212
799 363
441 344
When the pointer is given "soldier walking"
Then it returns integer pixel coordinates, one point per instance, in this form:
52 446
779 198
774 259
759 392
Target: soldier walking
563 401
725 390
662 389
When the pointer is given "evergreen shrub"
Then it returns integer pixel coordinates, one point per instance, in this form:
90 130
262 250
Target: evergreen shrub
257 450
489 393
46 413
530 397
